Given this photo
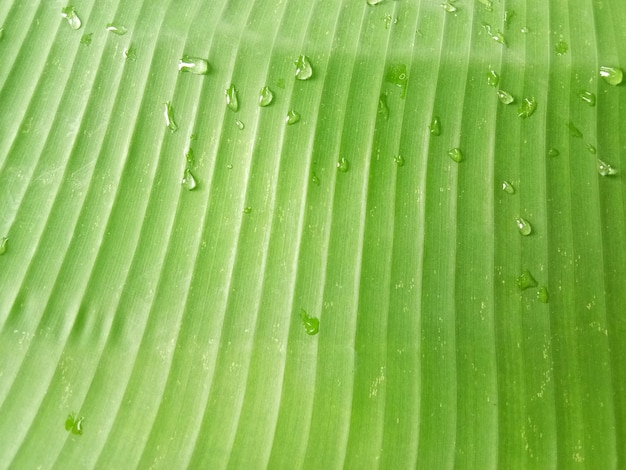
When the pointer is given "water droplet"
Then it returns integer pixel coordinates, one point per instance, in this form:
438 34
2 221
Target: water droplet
456 155
399 159
195 65
117 28
505 97
247 210
69 13
605 169
304 70
523 226
561 47
526 280
435 126
492 78
574 131
3 245
231 98
189 157
588 97
229 166
189 181
130 54
292 117
311 324
240 125
86 39
1 34
383 109
508 187
543 295
496 35
524 30
527 107
343 165
389 20
552 152
315 179
487 4
265 97
74 424
374 2
397 75
612 75
592 149
449 7
508 16
169 117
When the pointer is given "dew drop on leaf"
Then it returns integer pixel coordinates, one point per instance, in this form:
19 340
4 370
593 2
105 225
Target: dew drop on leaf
169 117
542 295
311 324
399 159
456 155
527 107
315 179
240 125
435 126
74 424
69 13
605 169
523 226
587 97
86 39
505 97
117 28
508 16
592 149
3 245
561 47
292 117
374 2
526 280
247 210
574 131
189 157
383 109
265 97
304 70
343 165
508 187
487 4
612 75
449 7
195 65
231 98
553 152
397 75
189 181
130 54
492 78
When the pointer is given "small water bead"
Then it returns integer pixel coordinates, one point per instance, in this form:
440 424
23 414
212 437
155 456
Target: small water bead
69 13
311 324
524 30
605 169
492 78
231 98
383 109
574 131
553 152
435 126
523 226
508 187
195 65
292 117
304 70
86 39
588 97
496 35
487 4
456 155
189 181
542 295
343 165
397 75
508 16
117 28
169 117
374 2
265 97
592 149
240 125
612 75
247 210
561 47
3 245
74 424
189 157
1 34
449 7
505 97
526 280
315 179
389 20
399 159
527 107
130 54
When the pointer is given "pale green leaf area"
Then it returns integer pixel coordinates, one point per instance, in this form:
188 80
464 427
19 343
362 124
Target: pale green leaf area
320 234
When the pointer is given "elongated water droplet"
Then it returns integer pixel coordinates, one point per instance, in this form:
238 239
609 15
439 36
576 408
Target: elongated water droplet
292 117
505 97
605 169
399 159
383 109
561 47
588 97
574 131
169 117
240 125
389 20
435 126
74 424
527 107
117 28
592 149
189 157
304 70
397 75
456 155
195 65
526 280
265 97
315 179
3 245
374 2
523 226
189 181
449 7
492 78
508 16
85 40
487 4
543 295
311 324
231 98
247 210
553 152
69 13
130 54
508 187
343 165
494 34
612 75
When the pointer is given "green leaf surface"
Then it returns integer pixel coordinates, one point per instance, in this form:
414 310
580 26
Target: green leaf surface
336 276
